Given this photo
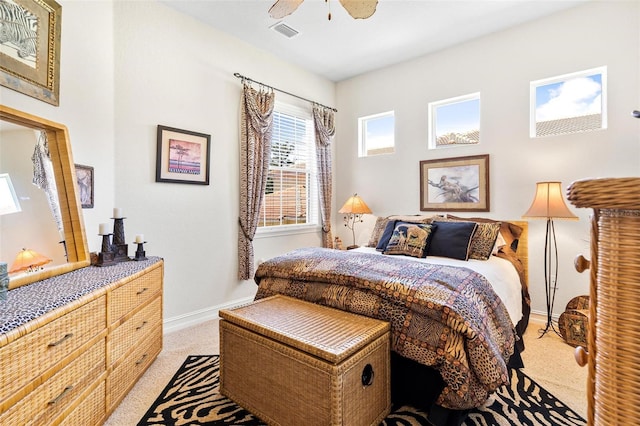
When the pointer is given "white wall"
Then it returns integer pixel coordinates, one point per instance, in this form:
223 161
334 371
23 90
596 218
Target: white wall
41 234
127 66
500 66
86 99
172 70
131 65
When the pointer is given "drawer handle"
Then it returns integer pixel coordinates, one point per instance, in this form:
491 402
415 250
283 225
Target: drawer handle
142 291
141 325
59 397
141 360
66 336
367 375
581 356
581 264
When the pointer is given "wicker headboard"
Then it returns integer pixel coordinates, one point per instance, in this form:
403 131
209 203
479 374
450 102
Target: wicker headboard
523 247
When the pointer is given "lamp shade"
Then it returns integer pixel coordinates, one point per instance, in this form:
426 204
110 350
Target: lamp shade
355 205
549 203
28 259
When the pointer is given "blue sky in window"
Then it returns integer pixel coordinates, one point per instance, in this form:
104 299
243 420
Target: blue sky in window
574 97
458 117
380 132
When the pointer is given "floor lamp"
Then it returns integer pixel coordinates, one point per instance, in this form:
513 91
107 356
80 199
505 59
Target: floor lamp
549 204
353 209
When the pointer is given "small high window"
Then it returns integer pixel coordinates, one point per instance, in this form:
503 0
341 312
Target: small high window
455 121
569 103
376 134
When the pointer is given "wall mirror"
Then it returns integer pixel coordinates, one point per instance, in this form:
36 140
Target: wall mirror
59 237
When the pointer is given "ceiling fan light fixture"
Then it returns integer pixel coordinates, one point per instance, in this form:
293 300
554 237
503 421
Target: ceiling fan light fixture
282 8
358 9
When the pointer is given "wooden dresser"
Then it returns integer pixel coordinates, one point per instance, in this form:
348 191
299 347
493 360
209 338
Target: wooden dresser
72 346
614 303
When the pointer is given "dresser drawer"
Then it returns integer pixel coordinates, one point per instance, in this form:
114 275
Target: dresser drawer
134 293
135 329
28 357
51 398
124 376
91 410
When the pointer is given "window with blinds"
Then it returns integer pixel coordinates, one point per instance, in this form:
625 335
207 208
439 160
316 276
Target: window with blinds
291 197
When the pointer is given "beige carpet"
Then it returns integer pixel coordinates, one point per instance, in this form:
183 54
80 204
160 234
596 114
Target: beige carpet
548 360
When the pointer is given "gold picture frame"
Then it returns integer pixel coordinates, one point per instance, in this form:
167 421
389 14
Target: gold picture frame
455 184
30 48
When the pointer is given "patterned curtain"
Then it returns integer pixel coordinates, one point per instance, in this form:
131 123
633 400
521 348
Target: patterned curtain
256 126
325 129
44 178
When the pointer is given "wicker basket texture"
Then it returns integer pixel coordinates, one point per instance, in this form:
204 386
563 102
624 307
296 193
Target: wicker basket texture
293 362
614 333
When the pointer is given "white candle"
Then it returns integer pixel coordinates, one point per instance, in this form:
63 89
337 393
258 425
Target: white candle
140 238
117 213
103 229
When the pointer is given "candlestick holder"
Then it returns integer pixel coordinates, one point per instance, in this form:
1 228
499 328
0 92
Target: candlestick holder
106 256
120 247
140 253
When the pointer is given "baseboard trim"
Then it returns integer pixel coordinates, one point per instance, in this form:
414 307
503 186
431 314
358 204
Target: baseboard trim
540 317
190 319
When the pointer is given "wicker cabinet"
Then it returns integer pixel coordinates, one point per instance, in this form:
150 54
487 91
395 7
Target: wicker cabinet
614 323
292 362
72 346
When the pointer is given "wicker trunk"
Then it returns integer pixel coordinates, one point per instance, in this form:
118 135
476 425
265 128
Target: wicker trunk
291 362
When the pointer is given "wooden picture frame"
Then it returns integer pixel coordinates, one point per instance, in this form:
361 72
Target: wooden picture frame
84 177
30 52
182 156
455 184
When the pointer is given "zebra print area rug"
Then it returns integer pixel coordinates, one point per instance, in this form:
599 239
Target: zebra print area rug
192 398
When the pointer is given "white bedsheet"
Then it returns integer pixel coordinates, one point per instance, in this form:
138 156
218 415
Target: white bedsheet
499 272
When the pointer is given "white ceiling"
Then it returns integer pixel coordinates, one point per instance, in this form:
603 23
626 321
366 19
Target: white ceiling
345 47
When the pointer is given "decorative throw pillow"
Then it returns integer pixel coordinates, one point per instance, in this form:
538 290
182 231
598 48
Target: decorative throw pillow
452 239
500 242
510 232
483 240
386 235
410 239
378 228
381 225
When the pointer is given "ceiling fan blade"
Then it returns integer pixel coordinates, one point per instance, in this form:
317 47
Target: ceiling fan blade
282 8
360 9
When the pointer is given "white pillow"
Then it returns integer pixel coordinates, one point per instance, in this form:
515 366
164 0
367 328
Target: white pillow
500 242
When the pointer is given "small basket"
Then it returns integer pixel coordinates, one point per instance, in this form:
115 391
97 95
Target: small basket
574 322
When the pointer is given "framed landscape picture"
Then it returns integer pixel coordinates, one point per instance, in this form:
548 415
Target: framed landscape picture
182 156
455 184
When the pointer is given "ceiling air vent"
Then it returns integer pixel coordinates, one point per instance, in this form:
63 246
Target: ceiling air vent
284 29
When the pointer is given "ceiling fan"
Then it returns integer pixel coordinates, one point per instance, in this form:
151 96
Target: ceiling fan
358 9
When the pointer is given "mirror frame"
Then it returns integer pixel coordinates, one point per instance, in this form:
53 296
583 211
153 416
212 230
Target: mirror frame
65 172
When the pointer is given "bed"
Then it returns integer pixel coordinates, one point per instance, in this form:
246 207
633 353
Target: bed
453 289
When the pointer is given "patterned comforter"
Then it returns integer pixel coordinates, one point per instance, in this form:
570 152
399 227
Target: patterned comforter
445 317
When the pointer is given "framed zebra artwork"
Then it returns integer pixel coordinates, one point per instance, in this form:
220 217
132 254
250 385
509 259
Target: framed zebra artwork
30 48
